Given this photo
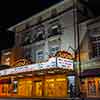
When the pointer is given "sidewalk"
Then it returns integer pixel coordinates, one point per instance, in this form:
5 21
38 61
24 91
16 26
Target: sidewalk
49 99
92 99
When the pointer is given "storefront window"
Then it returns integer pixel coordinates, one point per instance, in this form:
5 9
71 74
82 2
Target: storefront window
92 88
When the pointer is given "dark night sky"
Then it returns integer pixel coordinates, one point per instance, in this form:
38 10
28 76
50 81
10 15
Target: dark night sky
14 11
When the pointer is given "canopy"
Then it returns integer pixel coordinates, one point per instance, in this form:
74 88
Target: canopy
91 72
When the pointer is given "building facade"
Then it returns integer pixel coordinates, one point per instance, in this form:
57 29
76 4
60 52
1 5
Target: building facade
37 41
90 59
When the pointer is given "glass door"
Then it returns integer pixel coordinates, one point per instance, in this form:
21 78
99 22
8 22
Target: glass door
38 88
28 88
21 87
50 87
61 87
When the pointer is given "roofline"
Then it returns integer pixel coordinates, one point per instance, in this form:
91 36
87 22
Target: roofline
38 14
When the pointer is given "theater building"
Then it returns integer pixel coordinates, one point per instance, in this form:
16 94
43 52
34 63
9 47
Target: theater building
46 79
42 59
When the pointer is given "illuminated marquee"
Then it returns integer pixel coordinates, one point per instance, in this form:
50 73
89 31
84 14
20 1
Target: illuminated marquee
21 62
64 54
62 60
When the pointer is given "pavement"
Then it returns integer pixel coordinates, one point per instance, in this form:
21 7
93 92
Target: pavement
49 99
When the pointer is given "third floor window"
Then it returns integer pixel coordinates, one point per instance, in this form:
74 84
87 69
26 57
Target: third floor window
39 33
95 44
54 28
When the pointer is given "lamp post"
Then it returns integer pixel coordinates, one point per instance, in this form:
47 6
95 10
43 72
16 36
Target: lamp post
77 44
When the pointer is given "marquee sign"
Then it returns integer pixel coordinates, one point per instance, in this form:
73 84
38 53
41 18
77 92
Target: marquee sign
54 62
21 62
64 54
65 63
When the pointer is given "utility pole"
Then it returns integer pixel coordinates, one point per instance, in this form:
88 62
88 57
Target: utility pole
76 46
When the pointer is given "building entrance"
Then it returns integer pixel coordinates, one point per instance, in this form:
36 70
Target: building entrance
38 88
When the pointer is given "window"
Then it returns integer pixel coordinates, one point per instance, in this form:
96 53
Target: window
6 58
39 19
54 29
53 50
95 44
18 39
53 12
39 33
26 53
39 55
7 61
26 38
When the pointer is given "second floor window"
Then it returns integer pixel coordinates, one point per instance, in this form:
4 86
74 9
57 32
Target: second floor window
26 53
53 50
39 55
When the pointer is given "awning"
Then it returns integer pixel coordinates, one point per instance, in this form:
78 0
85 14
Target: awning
91 72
